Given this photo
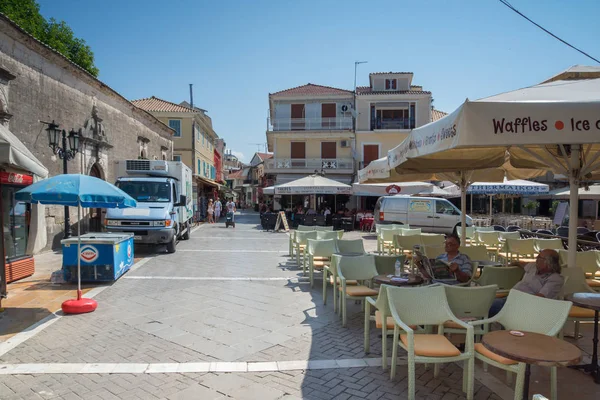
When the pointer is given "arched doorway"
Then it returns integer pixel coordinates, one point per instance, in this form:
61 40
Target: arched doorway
96 213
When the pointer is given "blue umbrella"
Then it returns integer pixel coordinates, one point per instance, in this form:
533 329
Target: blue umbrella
76 191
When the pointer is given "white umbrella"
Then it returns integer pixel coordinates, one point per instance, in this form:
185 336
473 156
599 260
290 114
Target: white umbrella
553 126
313 184
381 189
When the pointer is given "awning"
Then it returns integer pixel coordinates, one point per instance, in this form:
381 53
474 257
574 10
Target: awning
379 189
517 186
14 153
313 184
342 178
206 181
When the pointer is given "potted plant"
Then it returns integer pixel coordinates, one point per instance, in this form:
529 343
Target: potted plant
531 206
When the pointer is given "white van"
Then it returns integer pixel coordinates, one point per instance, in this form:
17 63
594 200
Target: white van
431 214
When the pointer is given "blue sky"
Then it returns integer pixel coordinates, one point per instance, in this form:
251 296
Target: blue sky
237 52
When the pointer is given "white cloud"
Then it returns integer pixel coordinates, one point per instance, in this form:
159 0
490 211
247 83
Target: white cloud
239 155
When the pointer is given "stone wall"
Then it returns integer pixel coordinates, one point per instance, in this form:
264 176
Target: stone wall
47 87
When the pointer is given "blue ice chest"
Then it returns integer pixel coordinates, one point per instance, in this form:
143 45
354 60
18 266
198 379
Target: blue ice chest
104 256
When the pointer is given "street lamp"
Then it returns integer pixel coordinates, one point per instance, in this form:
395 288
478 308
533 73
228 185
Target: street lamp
59 147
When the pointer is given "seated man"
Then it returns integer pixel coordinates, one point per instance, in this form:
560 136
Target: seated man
460 264
541 279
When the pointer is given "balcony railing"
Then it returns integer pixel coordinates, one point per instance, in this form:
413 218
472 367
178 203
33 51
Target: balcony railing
310 124
309 163
396 123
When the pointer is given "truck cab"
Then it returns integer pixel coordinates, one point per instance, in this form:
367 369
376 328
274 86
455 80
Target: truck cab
164 212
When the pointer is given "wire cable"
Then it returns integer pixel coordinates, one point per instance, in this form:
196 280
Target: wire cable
507 4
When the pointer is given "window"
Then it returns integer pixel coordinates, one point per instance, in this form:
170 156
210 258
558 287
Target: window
15 218
370 153
328 150
391 84
444 207
202 138
175 124
199 171
146 192
176 157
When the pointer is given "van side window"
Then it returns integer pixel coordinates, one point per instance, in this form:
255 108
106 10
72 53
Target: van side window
443 207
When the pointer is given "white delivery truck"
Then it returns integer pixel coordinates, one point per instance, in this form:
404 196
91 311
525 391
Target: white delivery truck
431 214
163 191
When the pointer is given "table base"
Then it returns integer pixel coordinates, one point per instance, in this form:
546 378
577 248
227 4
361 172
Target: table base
591 369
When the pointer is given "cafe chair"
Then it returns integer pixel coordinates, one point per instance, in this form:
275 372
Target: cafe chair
575 282
386 240
499 228
519 250
386 265
351 246
513 228
411 231
300 243
382 313
491 240
318 254
300 228
470 233
330 277
510 235
433 251
469 304
503 277
476 253
588 261
524 312
379 227
323 228
356 268
320 220
542 244
432 239
404 245
329 234
427 306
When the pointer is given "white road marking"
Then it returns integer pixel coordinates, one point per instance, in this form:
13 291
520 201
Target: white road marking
215 278
169 368
260 238
233 251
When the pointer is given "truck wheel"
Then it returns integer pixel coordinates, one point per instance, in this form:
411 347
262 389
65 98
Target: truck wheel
171 246
186 235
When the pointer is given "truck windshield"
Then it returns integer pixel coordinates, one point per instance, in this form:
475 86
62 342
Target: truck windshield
146 192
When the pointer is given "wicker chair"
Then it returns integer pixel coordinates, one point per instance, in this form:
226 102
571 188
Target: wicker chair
318 254
359 269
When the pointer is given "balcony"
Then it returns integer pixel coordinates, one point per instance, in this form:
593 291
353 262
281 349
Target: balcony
310 124
307 165
395 123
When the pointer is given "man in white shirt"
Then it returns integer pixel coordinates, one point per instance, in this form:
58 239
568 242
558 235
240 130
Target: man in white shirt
218 207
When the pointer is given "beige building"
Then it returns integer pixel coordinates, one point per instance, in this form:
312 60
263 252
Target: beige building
310 129
194 143
387 110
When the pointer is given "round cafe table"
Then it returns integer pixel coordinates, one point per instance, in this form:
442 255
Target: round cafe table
590 301
387 280
532 348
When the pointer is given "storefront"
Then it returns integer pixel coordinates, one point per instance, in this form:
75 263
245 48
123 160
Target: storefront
23 229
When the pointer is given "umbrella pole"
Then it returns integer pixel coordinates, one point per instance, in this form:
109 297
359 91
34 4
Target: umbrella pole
574 170
463 207
490 206
79 251
471 203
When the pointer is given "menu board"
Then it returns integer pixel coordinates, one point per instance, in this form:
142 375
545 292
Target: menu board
560 213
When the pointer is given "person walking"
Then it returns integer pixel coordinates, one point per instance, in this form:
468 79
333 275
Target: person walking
230 207
218 207
210 210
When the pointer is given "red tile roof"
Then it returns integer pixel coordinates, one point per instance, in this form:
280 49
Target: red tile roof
237 174
387 73
367 90
311 90
265 156
437 114
156 104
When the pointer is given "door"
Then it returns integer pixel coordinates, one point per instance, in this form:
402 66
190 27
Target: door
370 153
298 154
328 115
420 214
329 155
95 213
394 210
298 117
446 216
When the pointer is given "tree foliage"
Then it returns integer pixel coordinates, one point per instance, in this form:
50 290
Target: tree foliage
58 35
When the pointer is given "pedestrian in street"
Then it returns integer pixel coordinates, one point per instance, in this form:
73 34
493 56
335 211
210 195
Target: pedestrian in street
230 207
218 207
210 210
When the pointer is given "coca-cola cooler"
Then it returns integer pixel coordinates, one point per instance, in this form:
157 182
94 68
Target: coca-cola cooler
104 256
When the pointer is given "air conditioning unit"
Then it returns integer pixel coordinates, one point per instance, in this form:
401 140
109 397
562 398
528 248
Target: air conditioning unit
345 143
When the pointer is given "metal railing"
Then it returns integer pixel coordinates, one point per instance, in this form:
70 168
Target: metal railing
309 163
310 124
398 123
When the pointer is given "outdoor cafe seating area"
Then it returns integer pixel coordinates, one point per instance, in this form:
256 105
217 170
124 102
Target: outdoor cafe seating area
420 314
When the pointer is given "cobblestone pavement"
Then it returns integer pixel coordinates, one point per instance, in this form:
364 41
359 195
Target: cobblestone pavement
226 295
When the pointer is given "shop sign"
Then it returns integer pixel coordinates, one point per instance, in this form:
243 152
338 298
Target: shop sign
393 189
89 254
10 178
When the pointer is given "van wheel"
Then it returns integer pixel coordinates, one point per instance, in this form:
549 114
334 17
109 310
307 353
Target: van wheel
186 235
172 245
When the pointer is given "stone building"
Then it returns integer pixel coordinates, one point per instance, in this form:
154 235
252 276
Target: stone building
44 86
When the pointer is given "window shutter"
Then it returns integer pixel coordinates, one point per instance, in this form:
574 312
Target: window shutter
387 83
394 83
